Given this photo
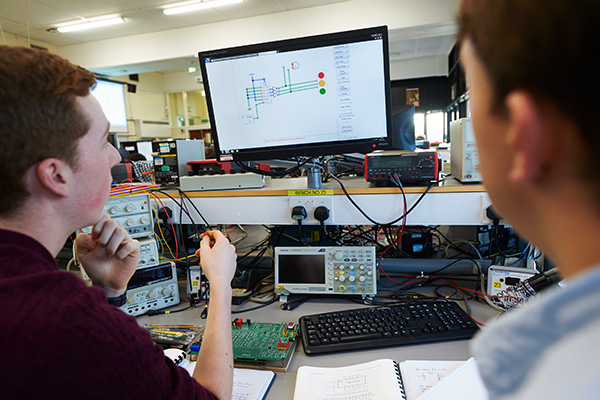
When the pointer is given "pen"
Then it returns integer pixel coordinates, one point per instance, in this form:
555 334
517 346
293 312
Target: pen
174 333
158 326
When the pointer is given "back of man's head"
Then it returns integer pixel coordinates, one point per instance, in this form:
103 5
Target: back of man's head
546 48
39 116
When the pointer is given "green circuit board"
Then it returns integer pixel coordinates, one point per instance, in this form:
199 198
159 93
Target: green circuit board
263 344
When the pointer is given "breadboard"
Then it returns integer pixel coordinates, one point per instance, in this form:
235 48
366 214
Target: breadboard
263 345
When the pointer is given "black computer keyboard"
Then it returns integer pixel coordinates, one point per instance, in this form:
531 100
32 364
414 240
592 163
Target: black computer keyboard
411 323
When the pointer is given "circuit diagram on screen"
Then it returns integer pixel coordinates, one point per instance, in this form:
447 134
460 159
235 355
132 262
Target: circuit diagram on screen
261 92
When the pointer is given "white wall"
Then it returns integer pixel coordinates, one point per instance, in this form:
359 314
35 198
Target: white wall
181 82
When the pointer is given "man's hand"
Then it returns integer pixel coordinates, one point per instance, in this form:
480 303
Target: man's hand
214 368
109 256
217 259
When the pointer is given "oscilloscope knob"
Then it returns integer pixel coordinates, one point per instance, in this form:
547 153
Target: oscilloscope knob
337 255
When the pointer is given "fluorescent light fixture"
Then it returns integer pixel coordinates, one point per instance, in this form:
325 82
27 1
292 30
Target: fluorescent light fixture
90 24
195 6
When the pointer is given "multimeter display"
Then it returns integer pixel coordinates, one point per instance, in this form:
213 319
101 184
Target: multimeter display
381 162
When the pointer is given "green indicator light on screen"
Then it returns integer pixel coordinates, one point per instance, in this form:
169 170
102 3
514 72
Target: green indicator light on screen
322 91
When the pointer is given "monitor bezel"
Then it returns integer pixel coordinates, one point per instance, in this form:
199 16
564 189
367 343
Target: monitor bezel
311 149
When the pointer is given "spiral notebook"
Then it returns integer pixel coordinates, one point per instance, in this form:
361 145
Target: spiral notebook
384 379
375 380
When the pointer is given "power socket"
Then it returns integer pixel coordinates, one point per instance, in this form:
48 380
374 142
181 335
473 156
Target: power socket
310 203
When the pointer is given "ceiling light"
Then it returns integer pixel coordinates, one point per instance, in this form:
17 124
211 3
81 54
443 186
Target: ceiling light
90 24
187 7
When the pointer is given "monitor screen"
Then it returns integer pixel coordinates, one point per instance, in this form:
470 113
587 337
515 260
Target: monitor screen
310 96
111 97
301 268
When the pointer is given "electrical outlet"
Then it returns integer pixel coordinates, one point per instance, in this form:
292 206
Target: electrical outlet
311 203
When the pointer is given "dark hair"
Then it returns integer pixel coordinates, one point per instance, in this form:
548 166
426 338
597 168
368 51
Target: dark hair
39 115
545 47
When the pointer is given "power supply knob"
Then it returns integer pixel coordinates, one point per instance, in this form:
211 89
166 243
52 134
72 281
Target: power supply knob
144 220
130 300
165 292
129 208
151 294
113 210
129 222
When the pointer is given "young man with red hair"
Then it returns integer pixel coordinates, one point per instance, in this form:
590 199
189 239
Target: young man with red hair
60 338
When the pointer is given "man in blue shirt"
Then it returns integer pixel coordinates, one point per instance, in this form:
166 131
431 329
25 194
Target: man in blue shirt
534 104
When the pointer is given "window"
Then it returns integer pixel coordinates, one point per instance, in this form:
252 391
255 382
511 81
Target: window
435 126
430 126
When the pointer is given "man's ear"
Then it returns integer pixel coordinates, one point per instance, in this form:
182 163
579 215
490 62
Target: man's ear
54 175
526 137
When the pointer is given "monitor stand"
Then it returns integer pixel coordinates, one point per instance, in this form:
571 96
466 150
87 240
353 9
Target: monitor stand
312 167
313 175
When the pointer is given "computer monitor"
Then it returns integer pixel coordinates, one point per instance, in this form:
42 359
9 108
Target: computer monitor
403 128
310 96
111 96
143 147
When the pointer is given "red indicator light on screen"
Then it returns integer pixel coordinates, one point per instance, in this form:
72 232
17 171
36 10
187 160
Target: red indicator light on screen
321 75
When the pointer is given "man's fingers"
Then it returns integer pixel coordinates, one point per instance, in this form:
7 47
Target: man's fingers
115 241
109 229
98 227
129 247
